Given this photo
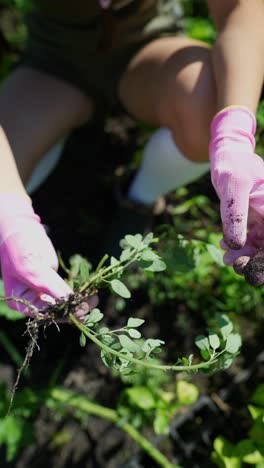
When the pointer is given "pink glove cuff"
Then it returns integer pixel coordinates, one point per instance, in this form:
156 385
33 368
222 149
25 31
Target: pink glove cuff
15 211
237 124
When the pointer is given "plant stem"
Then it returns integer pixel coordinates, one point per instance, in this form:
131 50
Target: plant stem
139 362
100 264
106 272
82 403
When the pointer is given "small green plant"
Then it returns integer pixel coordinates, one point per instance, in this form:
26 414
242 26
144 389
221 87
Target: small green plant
151 404
249 451
16 430
124 350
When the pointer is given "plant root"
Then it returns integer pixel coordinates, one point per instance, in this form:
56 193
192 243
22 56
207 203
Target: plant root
53 314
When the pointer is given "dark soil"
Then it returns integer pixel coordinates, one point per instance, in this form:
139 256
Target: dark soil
254 270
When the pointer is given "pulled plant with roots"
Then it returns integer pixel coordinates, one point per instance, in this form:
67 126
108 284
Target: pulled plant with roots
124 349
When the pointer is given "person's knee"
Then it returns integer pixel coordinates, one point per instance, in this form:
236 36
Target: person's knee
189 104
192 141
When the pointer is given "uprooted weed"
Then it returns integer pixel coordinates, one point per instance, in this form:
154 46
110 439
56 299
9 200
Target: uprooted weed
124 349
53 314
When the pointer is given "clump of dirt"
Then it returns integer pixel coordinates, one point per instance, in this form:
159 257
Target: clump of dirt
254 270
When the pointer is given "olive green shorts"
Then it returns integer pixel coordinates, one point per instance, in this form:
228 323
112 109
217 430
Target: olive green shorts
74 52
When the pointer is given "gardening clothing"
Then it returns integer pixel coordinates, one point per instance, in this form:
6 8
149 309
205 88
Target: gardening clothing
238 178
91 47
28 259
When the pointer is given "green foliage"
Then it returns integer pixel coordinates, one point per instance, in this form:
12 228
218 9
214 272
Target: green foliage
229 342
124 349
5 311
154 405
200 28
195 273
249 450
195 8
16 431
22 5
260 129
79 271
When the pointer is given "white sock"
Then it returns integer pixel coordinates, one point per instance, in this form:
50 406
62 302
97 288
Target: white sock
163 169
45 166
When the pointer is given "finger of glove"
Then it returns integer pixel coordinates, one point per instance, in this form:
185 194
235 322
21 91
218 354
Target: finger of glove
29 296
231 256
84 308
257 201
49 282
240 264
234 211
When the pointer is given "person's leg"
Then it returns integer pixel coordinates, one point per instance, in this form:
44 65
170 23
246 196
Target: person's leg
36 111
170 84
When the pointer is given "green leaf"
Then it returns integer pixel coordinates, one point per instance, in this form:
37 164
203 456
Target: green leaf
224 324
82 340
148 255
256 412
161 422
248 452
148 239
128 344
108 359
79 267
216 254
134 333
151 345
125 255
134 322
113 261
226 362
14 433
103 330
226 453
202 342
134 241
258 396
94 316
187 393
214 340
233 343
190 359
206 355
156 266
141 397
120 289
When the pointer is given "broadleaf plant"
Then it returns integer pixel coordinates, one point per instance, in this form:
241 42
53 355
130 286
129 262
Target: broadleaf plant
124 349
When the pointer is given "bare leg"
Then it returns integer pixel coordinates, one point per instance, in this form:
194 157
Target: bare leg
36 110
180 92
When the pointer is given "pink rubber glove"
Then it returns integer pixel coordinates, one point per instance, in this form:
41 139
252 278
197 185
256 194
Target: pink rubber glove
28 259
238 177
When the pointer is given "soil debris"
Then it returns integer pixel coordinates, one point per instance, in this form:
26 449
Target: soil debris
254 270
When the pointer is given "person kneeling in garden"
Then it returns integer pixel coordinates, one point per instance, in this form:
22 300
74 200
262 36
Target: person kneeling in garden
85 55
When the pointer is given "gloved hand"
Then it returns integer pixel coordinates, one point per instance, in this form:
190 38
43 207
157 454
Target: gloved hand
28 259
238 178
